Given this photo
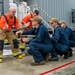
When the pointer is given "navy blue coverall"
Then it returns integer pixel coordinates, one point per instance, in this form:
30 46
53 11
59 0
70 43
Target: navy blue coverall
41 45
70 36
60 41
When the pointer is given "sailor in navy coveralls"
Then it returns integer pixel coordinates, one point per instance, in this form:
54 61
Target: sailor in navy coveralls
70 36
59 38
41 45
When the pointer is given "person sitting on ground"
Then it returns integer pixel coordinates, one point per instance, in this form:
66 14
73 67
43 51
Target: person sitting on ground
41 45
70 36
59 38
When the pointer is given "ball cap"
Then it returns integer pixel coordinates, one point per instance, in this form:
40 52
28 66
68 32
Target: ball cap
37 18
53 20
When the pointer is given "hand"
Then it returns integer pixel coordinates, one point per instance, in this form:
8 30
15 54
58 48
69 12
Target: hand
25 40
51 36
6 27
27 24
18 32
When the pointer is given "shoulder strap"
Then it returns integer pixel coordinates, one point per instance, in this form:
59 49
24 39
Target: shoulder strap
6 19
14 19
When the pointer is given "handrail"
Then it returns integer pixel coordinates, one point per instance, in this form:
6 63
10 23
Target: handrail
47 24
36 6
45 14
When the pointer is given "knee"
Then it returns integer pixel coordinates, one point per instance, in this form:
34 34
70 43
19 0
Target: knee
29 52
15 43
31 44
1 44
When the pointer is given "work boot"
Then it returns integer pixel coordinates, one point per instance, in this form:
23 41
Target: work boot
17 55
66 55
1 59
23 53
70 53
37 64
48 57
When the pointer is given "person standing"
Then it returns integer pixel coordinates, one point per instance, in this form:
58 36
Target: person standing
6 22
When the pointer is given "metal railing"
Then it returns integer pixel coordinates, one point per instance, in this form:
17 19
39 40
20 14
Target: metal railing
47 25
34 7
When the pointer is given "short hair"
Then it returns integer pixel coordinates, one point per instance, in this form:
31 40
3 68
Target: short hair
37 12
53 20
62 22
12 7
37 18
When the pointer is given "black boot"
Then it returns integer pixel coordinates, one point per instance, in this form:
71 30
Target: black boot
22 50
70 52
66 55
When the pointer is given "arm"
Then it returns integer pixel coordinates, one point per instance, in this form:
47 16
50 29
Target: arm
71 36
30 32
26 19
16 24
3 22
56 36
39 36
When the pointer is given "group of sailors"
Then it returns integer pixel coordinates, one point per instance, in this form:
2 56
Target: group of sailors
44 47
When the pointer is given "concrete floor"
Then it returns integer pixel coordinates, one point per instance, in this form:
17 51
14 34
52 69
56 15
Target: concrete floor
12 66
